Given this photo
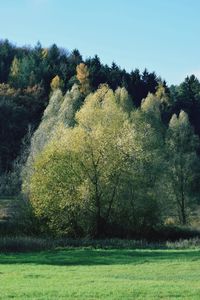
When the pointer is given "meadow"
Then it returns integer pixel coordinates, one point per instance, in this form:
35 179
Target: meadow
86 273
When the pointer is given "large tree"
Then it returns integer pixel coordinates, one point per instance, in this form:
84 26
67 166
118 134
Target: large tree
103 172
77 178
183 162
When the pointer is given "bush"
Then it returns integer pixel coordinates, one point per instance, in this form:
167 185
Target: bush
173 233
10 184
24 244
18 218
31 244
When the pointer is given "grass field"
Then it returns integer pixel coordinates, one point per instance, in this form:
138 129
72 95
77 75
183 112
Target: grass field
101 274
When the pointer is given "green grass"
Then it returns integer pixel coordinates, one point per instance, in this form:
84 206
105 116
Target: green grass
101 274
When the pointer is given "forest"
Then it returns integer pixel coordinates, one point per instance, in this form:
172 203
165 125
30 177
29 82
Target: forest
92 150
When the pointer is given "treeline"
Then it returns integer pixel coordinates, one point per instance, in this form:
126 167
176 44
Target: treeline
25 77
111 152
25 83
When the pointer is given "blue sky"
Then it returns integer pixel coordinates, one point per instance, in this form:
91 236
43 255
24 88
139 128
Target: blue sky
161 35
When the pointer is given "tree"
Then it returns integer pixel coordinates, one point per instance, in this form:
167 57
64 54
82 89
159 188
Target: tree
60 111
7 53
186 97
153 106
30 70
123 99
15 72
144 206
82 168
83 77
18 111
55 83
72 102
96 74
101 174
182 144
75 57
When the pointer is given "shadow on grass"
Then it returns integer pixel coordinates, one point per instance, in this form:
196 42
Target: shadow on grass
89 257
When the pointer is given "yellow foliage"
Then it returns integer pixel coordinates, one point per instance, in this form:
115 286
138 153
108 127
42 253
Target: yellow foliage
15 67
161 95
85 173
83 77
55 83
44 52
81 166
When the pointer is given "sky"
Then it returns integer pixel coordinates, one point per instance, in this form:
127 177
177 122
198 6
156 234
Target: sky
160 35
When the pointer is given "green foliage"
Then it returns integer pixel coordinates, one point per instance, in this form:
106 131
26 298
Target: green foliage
25 68
84 174
182 145
19 111
24 244
186 97
94 174
60 111
113 165
17 218
123 99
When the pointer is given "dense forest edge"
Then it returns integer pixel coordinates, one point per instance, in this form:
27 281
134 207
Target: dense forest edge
89 150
